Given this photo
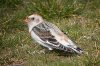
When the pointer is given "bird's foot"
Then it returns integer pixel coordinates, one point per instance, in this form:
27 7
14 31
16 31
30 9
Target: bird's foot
42 51
45 51
50 49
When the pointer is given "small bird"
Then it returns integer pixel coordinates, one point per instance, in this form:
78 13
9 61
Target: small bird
49 35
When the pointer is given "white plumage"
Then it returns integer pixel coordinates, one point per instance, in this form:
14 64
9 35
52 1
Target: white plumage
49 35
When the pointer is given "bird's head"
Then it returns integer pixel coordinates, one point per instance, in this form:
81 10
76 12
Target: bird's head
33 20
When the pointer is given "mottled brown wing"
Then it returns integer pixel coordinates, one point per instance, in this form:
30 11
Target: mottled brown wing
43 31
45 35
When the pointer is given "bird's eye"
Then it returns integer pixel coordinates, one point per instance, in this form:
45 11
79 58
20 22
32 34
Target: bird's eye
32 18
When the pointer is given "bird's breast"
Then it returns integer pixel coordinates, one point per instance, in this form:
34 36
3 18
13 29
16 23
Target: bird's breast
35 37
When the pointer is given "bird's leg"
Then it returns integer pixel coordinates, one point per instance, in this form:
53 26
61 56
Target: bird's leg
48 50
44 51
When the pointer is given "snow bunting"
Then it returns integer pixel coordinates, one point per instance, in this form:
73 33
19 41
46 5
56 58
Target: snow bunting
49 35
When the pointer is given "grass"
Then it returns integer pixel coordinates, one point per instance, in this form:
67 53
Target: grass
79 19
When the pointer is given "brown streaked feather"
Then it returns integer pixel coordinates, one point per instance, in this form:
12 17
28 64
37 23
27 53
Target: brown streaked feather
44 34
42 30
58 31
47 36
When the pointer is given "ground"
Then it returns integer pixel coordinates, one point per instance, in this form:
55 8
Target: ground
78 19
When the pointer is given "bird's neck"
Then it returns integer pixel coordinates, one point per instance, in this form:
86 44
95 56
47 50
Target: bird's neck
30 26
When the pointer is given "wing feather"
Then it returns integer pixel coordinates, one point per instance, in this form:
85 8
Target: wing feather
43 31
55 28
45 35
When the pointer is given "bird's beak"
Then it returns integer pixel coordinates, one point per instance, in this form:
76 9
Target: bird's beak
26 20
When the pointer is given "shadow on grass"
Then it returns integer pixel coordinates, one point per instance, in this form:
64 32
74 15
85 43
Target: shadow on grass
63 53
60 52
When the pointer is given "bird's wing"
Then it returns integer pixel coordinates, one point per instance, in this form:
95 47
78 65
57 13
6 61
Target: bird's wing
54 37
63 39
44 32
55 28
57 32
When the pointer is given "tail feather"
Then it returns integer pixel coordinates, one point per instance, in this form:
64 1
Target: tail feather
77 50
72 45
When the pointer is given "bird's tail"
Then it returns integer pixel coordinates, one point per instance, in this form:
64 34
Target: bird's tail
72 46
77 50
